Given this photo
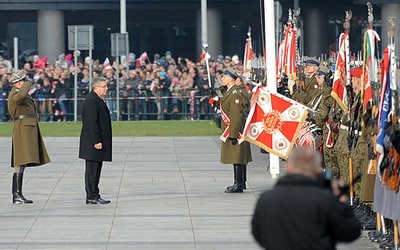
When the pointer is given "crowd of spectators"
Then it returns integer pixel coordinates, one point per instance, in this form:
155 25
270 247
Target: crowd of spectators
162 88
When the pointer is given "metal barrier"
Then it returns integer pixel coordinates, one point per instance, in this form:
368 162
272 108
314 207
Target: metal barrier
131 108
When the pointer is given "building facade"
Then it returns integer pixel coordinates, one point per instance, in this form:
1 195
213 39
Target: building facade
159 26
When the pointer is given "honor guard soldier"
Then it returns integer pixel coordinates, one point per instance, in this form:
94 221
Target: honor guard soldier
360 134
234 105
303 93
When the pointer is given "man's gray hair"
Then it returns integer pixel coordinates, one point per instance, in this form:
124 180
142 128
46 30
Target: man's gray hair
304 160
96 81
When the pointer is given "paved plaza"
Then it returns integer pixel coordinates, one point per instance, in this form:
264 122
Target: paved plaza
165 192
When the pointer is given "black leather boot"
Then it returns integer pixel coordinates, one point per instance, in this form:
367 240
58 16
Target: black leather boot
234 179
18 197
244 173
238 186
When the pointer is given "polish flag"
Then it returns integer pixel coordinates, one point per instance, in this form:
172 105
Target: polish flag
248 55
341 78
106 62
141 61
144 56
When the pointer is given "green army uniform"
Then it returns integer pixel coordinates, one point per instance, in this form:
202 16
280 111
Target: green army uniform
233 104
329 109
359 150
359 153
28 148
305 95
363 189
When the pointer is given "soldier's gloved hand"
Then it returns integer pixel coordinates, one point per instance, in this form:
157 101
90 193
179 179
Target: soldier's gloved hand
371 154
234 141
212 94
311 119
213 97
368 114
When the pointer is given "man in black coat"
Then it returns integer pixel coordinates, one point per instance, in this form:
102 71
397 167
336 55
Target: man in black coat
298 213
96 139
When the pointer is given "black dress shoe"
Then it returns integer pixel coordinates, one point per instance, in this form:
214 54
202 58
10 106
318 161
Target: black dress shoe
89 201
102 201
97 201
237 188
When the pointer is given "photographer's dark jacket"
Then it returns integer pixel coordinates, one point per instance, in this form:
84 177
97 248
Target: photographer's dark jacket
96 128
299 214
27 143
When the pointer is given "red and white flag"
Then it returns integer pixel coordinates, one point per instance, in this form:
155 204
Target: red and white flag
342 72
279 58
274 122
144 56
248 55
289 53
106 62
153 86
370 66
141 61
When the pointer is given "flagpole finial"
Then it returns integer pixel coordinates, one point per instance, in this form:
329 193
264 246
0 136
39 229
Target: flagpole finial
391 27
296 14
205 46
370 14
346 23
290 16
249 32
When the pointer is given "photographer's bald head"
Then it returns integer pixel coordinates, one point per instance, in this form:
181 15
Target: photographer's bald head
305 161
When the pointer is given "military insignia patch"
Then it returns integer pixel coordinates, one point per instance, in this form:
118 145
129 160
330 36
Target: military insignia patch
237 101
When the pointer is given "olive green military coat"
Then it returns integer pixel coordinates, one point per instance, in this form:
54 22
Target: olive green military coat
27 143
305 95
234 104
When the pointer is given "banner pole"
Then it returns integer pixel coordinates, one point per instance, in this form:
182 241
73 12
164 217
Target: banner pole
271 75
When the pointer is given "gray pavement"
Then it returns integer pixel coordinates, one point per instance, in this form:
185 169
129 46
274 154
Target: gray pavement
166 193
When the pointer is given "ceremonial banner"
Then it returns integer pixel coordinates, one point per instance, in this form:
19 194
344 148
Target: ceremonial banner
384 105
248 56
274 122
289 58
279 58
341 79
370 69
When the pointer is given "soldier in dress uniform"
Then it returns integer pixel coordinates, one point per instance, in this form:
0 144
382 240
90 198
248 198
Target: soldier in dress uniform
234 107
28 149
304 93
351 142
323 117
246 107
361 135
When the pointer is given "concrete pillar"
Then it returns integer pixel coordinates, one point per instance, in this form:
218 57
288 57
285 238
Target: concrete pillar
315 32
390 10
214 28
51 32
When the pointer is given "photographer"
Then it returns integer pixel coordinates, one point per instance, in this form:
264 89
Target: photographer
298 213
